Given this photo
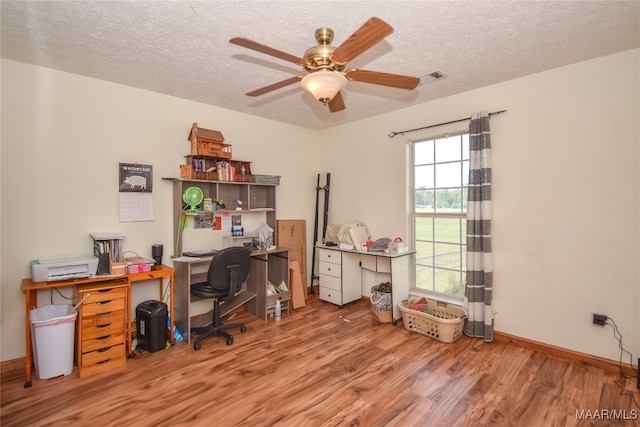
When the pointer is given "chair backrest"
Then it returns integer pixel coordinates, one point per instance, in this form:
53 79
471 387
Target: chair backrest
229 268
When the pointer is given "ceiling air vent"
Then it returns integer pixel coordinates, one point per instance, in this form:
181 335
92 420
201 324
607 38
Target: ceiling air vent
431 77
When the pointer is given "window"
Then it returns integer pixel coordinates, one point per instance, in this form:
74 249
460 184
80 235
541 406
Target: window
440 179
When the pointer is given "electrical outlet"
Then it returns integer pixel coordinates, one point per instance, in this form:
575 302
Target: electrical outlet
597 318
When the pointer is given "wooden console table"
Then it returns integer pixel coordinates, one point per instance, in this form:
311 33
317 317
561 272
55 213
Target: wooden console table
31 289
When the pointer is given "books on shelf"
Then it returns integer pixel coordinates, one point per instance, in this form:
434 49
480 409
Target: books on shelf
198 165
226 172
108 247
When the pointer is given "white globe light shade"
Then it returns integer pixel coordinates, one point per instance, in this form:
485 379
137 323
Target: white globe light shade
324 85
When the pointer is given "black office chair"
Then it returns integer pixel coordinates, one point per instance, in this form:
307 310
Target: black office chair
229 268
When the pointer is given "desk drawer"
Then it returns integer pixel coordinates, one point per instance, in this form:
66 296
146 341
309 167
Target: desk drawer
328 255
106 306
90 345
331 282
102 360
330 269
103 355
100 325
368 262
331 296
383 265
107 294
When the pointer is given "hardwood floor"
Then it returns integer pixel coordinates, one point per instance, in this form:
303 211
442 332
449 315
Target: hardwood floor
326 366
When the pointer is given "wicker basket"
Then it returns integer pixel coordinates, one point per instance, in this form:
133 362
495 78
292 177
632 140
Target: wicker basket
444 324
381 305
266 179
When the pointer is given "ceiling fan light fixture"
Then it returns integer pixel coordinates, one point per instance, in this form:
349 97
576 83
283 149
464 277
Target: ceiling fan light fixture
324 85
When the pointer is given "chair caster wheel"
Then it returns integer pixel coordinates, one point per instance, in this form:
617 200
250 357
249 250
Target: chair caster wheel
196 346
243 329
229 341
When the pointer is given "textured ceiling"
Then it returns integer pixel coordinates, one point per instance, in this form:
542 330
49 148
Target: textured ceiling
181 48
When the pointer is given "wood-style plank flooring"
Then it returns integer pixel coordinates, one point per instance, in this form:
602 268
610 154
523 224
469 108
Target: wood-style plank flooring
326 366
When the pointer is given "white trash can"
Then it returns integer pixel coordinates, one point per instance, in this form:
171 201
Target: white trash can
52 339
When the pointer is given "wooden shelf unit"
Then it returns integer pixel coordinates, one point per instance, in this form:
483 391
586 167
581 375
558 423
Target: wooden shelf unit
272 266
255 198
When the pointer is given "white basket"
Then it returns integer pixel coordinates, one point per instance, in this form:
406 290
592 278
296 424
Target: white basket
445 322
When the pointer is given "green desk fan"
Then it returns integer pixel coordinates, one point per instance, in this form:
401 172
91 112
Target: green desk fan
192 196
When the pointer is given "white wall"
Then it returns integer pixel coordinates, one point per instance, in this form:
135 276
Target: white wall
62 139
566 183
565 195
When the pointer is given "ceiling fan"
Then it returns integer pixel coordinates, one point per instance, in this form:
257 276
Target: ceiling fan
326 64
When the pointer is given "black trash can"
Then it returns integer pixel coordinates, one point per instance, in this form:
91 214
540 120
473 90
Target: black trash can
151 325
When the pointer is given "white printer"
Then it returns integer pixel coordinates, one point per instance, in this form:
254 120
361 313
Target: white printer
52 269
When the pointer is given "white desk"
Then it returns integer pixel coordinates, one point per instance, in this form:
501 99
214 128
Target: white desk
347 275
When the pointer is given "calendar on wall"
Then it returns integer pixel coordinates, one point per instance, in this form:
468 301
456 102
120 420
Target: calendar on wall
135 192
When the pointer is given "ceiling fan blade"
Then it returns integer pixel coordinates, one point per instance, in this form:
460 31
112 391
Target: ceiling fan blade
250 44
272 87
384 79
337 103
374 30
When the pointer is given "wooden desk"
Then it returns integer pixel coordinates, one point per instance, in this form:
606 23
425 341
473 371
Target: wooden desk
272 265
31 289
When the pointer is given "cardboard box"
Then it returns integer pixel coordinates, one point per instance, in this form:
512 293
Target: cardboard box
292 234
117 268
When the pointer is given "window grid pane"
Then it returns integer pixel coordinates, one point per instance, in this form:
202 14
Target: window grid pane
448 175
424 177
424 229
447 230
423 153
448 282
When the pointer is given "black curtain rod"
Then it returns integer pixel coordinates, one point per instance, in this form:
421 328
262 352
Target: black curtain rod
392 134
